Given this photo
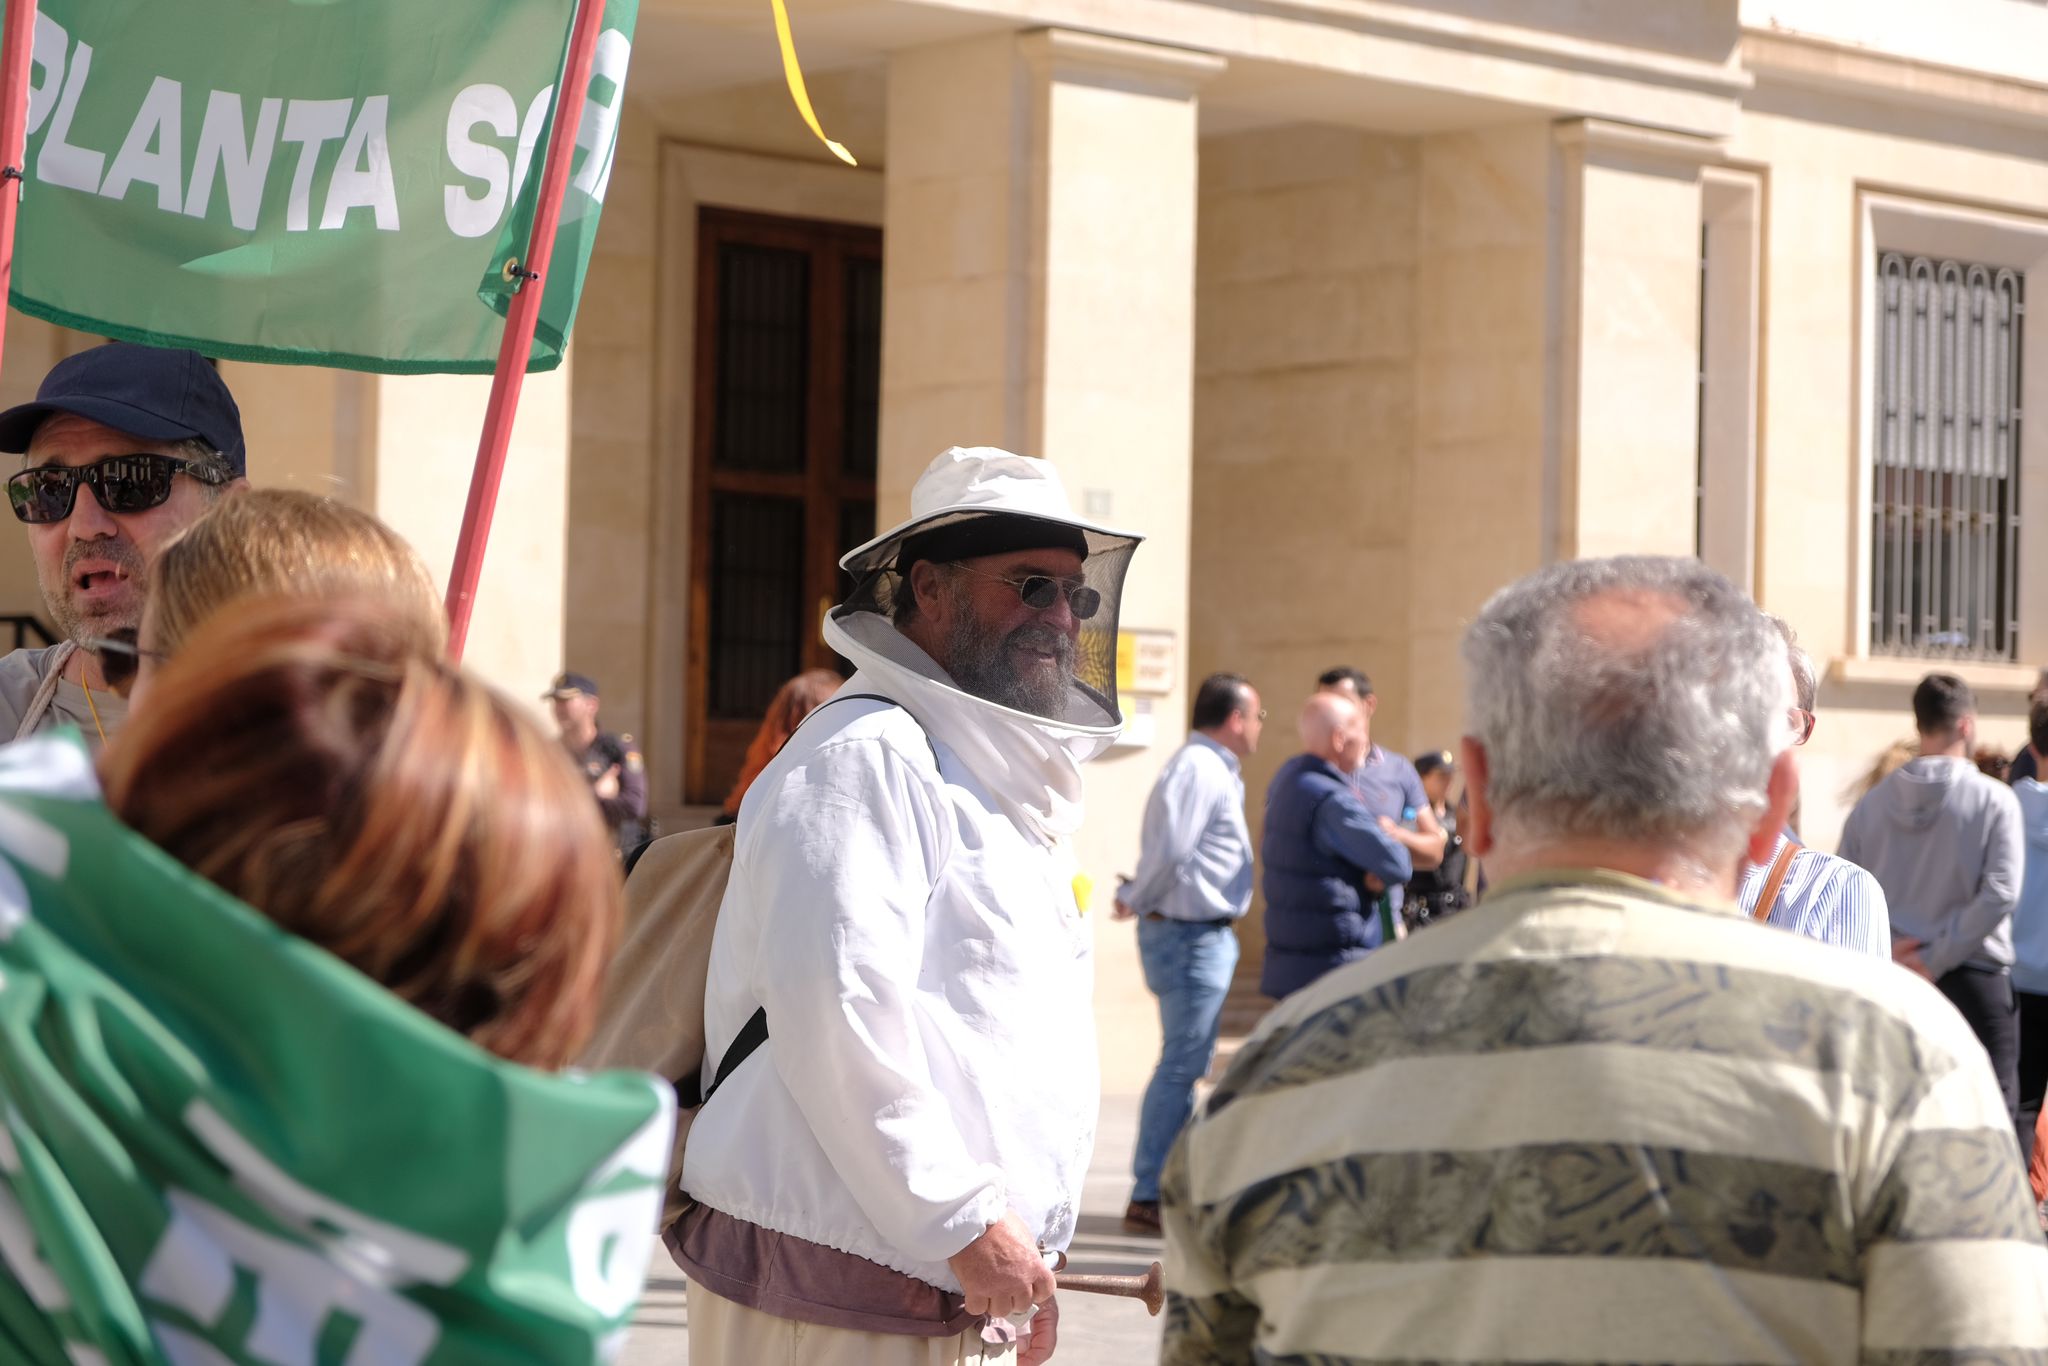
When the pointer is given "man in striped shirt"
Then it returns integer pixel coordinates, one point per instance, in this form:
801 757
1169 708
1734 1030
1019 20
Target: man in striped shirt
1603 1116
1818 895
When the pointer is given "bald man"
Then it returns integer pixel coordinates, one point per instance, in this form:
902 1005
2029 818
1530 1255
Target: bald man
1325 860
1387 782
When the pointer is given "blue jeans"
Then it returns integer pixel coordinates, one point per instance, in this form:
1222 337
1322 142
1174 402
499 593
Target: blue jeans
1188 968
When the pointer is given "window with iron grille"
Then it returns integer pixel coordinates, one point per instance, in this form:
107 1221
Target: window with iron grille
1944 513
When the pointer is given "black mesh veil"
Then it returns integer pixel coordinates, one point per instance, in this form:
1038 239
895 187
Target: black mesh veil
1109 557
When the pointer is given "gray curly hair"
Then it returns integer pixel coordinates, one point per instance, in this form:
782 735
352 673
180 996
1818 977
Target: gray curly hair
1663 734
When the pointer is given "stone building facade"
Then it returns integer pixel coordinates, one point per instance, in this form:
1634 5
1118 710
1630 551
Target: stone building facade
1358 308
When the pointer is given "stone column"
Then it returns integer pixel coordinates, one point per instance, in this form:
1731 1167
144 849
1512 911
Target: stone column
1557 366
1039 295
1484 342
1304 434
1628 329
419 437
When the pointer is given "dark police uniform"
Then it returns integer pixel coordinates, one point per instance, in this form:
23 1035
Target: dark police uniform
625 814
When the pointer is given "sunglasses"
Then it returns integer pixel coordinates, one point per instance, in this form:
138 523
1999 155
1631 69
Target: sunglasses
122 483
1040 591
120 658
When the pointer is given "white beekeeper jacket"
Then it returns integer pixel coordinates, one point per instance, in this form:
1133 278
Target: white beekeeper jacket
903 905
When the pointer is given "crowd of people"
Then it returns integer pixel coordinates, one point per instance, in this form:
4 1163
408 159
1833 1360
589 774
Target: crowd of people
1605 1116
302 927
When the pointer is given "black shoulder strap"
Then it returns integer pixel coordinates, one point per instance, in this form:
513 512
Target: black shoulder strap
752 1035
754 1032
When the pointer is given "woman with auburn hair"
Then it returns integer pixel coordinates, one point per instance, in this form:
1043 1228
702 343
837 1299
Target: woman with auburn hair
384 805
793 701
286 1004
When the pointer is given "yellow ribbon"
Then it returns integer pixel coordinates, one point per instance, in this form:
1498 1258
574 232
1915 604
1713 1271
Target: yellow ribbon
1084 891
795 76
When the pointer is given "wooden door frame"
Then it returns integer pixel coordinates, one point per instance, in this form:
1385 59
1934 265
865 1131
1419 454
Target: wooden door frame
822 487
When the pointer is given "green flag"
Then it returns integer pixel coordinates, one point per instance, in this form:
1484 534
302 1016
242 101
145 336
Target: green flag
317 182
221 1144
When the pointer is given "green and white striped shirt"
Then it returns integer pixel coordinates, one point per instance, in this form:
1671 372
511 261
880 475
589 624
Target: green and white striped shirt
1589 1121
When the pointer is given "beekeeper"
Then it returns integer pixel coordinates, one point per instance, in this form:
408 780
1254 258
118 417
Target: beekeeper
900 978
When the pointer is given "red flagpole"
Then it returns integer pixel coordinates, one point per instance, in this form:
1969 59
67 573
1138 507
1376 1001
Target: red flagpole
16 47
517 344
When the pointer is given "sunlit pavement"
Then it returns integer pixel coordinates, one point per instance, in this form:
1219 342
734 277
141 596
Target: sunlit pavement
1095 1330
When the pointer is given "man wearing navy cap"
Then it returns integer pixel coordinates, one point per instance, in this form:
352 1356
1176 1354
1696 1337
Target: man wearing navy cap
612 763
125 446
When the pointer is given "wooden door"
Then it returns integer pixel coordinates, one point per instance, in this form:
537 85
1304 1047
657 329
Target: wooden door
789 345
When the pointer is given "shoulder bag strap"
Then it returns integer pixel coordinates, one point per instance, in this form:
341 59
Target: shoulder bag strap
752 1035
46 691
1775 881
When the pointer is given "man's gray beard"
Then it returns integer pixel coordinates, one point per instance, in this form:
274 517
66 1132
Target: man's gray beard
73 624
979 660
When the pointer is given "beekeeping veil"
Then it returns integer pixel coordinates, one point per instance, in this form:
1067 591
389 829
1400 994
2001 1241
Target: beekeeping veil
969 503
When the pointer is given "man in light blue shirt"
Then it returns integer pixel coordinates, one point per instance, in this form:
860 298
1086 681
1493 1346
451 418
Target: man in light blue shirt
1817 895
1194 880
2030 933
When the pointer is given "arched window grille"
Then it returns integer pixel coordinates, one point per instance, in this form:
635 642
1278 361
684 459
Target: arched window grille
1945 523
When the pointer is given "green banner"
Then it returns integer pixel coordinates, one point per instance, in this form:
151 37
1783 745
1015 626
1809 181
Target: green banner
314 182
220 1144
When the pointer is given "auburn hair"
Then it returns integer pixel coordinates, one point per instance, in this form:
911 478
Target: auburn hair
793 701
306 756
261 541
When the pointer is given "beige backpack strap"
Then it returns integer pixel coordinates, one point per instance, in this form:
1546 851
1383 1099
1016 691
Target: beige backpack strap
39 705
1774 882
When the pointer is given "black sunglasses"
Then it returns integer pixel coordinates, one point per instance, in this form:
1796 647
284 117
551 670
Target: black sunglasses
1040 591
122 483
119 656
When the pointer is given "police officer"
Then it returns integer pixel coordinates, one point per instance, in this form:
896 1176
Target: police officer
1434 893
618 776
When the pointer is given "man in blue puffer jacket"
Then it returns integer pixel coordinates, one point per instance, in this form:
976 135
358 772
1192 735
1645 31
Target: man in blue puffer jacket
1326 860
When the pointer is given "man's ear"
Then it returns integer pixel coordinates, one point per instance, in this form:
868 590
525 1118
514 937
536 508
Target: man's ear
1477 823
1780 796
924 586
1371 703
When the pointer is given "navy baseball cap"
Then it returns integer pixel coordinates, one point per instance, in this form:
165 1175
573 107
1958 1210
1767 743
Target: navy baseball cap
151 392
570 685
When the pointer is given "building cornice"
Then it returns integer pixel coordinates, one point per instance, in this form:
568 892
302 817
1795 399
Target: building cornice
1405 44
1408 22
1815 63
1657 144
1072 50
